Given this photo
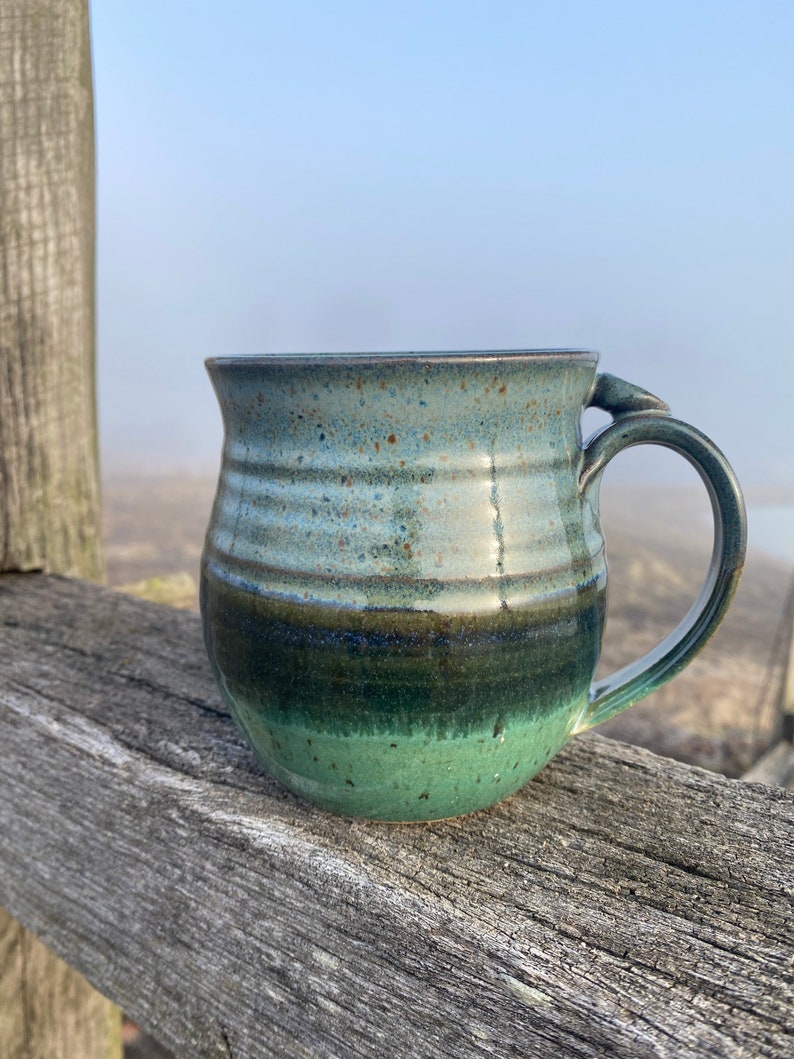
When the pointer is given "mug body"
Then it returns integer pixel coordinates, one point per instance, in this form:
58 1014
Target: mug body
402 588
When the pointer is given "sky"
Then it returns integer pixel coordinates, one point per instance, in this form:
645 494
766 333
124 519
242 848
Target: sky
343 176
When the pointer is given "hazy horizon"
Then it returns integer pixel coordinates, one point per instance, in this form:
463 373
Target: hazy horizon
447 176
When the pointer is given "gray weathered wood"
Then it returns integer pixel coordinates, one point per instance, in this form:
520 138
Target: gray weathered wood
49 483
49 480
620 905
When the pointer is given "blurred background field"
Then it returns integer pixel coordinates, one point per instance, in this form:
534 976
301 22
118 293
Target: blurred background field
464 177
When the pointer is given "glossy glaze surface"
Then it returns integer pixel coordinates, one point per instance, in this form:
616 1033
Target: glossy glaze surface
403 584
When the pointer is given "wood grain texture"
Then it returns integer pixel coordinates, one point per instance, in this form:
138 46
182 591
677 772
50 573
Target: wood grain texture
49 489
620 905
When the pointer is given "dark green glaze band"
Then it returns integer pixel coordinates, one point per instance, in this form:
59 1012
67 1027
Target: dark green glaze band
373 671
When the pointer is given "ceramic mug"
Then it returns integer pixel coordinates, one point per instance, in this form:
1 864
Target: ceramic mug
403 585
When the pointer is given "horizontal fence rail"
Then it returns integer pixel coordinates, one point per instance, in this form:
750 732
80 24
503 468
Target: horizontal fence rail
621 904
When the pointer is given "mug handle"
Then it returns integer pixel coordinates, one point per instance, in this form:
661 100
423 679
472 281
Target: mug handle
639 418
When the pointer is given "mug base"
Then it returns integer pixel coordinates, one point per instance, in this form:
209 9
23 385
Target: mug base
410 778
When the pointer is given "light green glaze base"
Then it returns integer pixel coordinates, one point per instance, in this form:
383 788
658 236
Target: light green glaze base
406 777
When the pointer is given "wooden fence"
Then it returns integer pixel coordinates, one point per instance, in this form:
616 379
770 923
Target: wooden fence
620 905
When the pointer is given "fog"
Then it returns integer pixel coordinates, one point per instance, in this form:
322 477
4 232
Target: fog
359 176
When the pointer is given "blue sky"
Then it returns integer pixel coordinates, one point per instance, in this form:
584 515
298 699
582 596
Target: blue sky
341 176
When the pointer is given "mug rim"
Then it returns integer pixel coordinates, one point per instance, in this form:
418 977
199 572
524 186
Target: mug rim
393 357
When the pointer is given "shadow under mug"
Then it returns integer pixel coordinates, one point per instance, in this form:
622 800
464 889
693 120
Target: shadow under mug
403 584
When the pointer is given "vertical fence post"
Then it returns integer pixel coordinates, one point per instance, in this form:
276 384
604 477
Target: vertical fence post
50 516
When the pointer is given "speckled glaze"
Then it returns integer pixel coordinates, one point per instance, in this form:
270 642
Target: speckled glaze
404 584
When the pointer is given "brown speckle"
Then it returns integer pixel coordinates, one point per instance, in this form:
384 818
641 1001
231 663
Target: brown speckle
349 482
425 437
503 388
341 542
260 397
392 440
377 446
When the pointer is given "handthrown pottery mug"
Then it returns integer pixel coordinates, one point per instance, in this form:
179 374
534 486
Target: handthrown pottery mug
404 585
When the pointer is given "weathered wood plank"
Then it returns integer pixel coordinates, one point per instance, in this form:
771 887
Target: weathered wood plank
620 905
